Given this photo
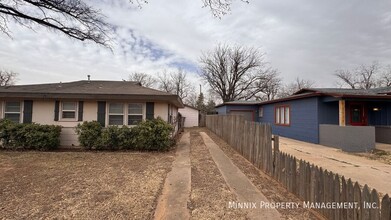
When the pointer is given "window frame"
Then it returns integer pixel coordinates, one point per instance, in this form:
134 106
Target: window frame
285 111
142 112
4 103
108 113
125 113
62 110
260 112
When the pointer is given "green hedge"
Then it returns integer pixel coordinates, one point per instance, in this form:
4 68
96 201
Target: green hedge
29 136
148 135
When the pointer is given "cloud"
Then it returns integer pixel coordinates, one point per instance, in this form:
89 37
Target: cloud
307 39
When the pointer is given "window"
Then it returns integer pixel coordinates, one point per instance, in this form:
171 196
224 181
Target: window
68 110
12 111
260 112
135 113
282 115
116 114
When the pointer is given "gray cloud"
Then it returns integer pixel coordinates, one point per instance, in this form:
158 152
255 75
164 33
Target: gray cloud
309 39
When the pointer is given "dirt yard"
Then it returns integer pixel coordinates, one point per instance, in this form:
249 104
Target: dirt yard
209 192
379 155
83 185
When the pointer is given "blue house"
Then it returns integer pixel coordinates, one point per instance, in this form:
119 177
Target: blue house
350 119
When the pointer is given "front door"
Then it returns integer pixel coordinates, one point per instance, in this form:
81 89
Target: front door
358 116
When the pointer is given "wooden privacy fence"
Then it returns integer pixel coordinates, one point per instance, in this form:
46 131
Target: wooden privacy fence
326 192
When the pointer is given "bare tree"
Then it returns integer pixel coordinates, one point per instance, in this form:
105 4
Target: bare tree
235 73
219 8
295 86
175 83
7 78
385 79
270 86
74 18
362 77
145 79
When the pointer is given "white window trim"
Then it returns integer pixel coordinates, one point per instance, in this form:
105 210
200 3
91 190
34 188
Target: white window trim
76 111
3 112
125 112
282 115
143 113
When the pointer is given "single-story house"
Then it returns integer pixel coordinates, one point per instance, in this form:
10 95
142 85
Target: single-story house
350 119
191 116
67 104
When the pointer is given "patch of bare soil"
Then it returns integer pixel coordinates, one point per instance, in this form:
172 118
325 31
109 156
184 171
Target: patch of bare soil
273 191
82 185
379 155
210 194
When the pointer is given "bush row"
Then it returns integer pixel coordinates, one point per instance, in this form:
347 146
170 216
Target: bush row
29 136
148 135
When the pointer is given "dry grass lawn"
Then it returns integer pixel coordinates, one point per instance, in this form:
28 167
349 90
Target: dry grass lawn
83 185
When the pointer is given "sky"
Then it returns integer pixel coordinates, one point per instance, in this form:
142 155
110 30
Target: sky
303 38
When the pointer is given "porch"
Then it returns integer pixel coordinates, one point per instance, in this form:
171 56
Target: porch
355 124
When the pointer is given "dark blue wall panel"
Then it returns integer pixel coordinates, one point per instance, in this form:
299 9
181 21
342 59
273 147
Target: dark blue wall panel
381 117
303 119
328 111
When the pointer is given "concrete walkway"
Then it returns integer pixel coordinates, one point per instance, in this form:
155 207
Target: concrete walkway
172 204
239 183
373 173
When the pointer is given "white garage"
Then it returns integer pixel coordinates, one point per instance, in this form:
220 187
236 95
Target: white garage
191 115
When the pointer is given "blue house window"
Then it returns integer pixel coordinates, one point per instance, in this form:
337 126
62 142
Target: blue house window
282 115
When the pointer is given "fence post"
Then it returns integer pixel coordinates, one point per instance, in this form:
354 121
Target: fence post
276 149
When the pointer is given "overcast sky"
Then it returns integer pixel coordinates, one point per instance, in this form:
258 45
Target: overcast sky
302 38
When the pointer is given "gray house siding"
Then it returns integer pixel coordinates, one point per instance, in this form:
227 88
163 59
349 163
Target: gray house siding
226 109
303 119
222 110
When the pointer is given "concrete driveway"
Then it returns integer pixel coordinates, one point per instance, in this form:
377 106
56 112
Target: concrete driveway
373 173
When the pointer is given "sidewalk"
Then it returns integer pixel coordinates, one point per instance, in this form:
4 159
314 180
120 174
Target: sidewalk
373 173
239 183
172 204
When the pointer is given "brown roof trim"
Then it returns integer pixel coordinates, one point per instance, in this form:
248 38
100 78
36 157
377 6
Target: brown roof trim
289 98
222 104
173 99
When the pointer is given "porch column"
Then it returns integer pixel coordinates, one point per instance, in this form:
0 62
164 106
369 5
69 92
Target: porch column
341 114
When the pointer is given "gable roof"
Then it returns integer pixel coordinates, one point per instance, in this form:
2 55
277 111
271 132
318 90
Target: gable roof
377 93
349 93
89 89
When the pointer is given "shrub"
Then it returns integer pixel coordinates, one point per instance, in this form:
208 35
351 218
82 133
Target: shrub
126 138
153 135
29 136
111 138
90 134
148 135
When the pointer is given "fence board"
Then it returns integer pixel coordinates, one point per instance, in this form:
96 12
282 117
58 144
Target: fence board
344 197
357 199
337 196
350 199
365 198
374 211
386 208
